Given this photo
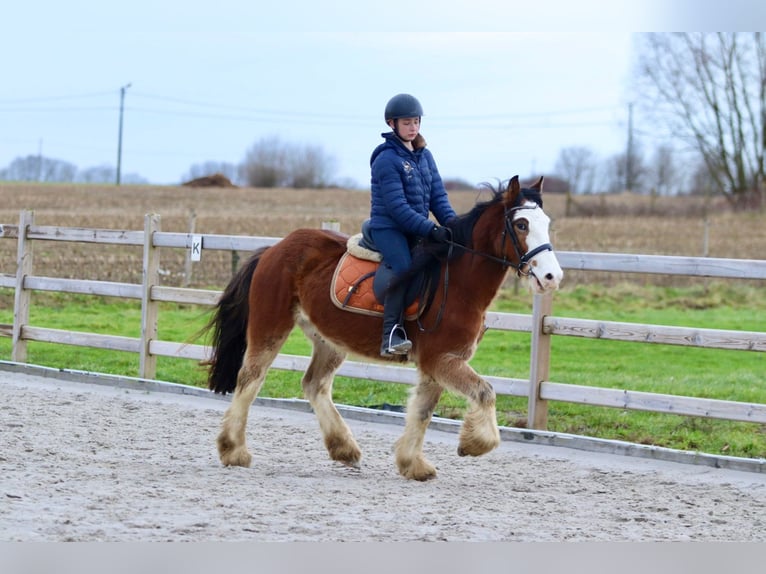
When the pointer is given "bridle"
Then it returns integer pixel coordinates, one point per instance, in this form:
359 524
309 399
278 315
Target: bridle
508 232
524 258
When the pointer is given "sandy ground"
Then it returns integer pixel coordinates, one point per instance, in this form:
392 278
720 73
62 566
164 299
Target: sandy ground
84 462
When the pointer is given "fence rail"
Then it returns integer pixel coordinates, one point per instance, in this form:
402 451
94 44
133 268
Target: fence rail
541 324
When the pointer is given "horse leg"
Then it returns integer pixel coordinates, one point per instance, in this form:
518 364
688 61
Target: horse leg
409 448
479 433
232 447
317 388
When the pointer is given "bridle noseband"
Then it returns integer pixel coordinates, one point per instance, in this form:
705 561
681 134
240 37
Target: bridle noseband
524 258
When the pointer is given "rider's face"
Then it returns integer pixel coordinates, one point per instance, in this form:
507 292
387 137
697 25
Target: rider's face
408 128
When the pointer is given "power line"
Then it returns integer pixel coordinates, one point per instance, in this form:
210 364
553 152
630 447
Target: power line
548 113
494 122
248 109
54 98
59 109
259 114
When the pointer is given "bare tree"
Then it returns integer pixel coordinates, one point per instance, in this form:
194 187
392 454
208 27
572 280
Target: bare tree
310 167
265 163
615 168
664 175
134 179
98 174
39 168
577 165
616 172
273 163
710 90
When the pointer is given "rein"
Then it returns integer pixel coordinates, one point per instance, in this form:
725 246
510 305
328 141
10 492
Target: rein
524 259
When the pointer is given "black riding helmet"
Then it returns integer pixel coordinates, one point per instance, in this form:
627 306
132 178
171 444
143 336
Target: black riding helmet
403 106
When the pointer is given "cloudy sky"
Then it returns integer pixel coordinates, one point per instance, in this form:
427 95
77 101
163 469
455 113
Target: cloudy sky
210 79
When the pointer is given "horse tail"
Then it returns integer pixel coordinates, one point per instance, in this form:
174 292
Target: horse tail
229 329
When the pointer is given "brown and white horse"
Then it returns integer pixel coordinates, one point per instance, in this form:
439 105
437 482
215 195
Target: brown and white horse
289 283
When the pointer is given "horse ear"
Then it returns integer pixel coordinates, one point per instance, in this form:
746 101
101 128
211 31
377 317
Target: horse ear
538 185
513 190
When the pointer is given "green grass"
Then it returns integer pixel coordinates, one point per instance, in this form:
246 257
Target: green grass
710 373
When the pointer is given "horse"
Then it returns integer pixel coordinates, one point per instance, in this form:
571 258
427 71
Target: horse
288 284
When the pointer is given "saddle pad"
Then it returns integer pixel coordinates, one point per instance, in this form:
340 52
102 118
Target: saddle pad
351 288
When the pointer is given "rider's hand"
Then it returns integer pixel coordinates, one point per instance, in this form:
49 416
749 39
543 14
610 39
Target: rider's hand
440 234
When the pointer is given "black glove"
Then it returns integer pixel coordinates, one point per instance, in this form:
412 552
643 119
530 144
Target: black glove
440 234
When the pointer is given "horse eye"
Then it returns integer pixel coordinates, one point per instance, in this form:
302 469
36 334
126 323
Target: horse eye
522 226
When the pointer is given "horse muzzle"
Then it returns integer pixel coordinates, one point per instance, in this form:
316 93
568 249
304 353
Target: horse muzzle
543 270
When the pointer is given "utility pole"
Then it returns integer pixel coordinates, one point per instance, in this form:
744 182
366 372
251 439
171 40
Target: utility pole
629 153
119 136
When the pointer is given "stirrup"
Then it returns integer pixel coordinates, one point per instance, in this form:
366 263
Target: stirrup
397 344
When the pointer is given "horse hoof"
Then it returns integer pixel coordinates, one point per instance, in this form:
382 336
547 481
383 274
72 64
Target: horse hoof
475 449
422 476
239 457
418 470
425 477
347 453
353 464
232 454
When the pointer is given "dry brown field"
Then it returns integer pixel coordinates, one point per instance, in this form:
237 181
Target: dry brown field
616 223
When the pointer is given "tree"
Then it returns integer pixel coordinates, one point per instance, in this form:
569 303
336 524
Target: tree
309 167
39 168
664 175
273 163
134 179
616 172
710 90
265 164
104 173
577 165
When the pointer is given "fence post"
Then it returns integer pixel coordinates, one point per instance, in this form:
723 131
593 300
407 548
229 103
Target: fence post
539 363
22 297
234 262
149 308
331 225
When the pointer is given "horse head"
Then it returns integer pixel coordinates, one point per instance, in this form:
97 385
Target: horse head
525 239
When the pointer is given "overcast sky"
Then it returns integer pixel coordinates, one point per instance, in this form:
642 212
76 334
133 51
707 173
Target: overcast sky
209 79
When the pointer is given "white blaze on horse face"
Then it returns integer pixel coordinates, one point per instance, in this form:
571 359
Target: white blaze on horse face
545 273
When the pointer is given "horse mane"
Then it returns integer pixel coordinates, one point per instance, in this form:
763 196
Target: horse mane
462 226
428 256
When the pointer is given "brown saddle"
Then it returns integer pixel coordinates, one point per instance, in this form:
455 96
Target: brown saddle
351 287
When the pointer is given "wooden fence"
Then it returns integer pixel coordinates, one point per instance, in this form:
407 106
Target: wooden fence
541 324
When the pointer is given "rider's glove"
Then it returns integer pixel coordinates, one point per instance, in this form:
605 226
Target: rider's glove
440 234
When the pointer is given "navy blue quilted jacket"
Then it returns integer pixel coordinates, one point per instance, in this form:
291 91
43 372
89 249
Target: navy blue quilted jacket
405 187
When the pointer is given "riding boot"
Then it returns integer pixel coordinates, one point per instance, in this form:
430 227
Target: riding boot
395 340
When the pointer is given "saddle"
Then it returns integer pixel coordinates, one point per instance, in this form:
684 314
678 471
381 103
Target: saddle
354 283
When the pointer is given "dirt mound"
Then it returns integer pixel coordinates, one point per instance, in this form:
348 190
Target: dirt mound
215 180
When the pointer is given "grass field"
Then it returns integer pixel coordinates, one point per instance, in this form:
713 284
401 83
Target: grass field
630 224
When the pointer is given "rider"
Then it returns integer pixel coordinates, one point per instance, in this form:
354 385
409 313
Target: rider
406 187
